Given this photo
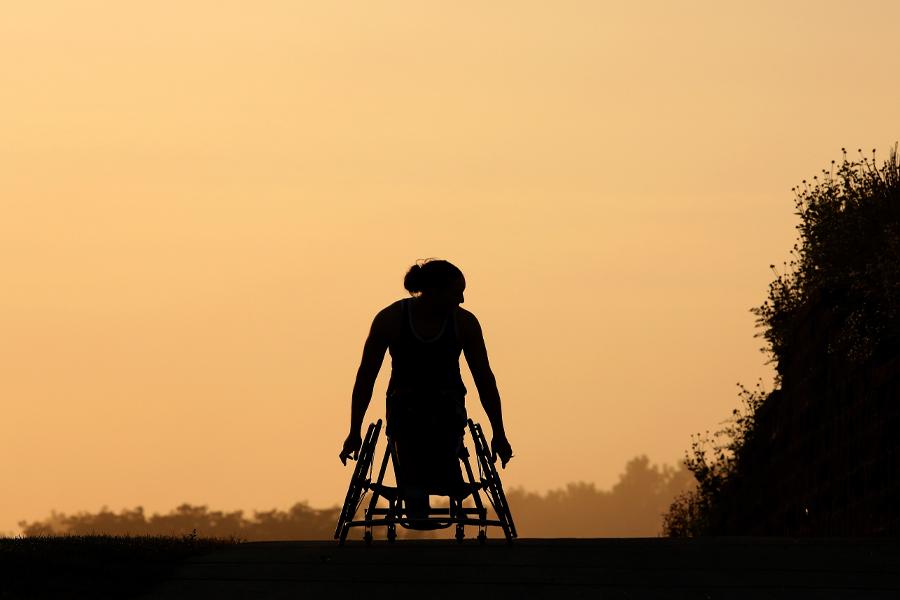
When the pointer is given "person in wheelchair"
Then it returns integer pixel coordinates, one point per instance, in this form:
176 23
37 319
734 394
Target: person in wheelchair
426 415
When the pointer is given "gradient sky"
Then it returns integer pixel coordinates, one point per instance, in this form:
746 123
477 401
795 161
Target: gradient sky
203 203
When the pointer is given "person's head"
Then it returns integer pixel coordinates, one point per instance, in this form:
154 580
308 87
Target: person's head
438 281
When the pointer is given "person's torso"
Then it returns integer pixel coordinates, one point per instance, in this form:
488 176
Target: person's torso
422 363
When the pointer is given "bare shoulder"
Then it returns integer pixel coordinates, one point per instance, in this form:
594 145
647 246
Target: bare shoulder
388 319
468 323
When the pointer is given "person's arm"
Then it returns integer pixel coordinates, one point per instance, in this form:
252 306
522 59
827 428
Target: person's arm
373 355
476 355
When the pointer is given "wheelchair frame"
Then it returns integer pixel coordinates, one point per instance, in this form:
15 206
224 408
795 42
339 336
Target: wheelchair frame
437 518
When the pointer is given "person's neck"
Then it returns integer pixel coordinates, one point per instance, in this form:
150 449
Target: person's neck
429 308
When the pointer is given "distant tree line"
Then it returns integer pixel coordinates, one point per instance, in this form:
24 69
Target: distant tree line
300 522
634 506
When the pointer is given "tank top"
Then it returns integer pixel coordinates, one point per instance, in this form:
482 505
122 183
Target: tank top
422 365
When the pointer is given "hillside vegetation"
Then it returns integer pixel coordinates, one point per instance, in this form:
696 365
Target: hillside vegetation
817 454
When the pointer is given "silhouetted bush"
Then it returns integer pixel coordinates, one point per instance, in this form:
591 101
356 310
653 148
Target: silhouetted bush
847 258
714 462
830 319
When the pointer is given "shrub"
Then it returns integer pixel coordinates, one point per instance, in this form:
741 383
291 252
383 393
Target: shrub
834 303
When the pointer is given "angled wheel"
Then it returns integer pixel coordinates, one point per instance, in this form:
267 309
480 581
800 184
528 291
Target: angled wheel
491 480
359 482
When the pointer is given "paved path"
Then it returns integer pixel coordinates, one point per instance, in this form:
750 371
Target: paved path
727 568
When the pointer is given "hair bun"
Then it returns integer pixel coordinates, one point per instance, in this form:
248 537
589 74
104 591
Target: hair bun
413 282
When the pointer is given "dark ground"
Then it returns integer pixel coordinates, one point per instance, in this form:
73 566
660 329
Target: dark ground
187 567
93 566
731 568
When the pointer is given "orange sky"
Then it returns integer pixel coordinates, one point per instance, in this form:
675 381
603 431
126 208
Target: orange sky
205 202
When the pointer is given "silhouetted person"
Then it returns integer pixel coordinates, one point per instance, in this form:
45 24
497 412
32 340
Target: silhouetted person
426 412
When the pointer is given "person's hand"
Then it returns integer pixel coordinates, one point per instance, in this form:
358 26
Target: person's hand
500 447
351 447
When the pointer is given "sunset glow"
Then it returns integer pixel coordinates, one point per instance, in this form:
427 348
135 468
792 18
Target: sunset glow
205 203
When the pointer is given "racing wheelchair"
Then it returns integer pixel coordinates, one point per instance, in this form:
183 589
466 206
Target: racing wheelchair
399 510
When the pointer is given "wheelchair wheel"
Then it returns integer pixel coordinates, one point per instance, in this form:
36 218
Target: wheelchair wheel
359 482
491 480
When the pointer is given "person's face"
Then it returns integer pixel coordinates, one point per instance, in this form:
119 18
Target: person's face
452 295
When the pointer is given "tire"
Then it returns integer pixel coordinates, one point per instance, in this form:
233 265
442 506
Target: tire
491 478
358 481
